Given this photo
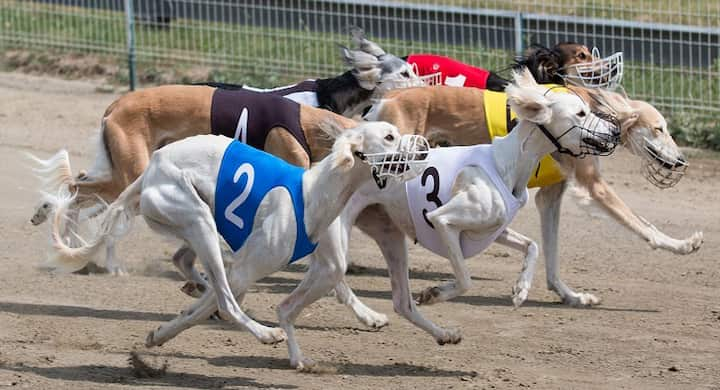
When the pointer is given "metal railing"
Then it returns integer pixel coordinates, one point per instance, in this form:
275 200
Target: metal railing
672 48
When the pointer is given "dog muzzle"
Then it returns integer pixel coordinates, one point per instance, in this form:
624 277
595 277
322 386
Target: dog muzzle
662 171
600 73
428 80
404 164
599 136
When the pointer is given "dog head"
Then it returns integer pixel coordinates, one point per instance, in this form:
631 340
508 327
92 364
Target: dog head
565 118
644 132
375 69
574 63
381 146
647 136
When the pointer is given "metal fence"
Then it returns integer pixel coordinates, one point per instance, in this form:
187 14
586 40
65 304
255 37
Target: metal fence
672 48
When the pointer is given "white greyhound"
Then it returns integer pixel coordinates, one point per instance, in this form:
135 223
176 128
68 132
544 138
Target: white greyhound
269 212
467 196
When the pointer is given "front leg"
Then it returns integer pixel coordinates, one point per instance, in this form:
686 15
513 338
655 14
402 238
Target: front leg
517 241
462 213
611 203
403 302
548 200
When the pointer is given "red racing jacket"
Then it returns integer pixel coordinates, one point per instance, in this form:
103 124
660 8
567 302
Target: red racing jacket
456 73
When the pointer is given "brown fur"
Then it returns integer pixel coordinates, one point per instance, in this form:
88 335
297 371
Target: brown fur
137 124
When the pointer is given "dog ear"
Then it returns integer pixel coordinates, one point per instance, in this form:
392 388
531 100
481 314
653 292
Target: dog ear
362 43
527 100
330 126
629 119
366 67
345 147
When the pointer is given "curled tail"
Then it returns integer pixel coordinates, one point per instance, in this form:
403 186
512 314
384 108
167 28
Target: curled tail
115 223
55 172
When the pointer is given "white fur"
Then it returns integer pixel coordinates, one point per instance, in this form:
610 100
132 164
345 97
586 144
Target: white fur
476 202
176 196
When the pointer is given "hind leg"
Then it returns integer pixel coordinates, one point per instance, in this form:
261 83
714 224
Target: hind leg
179 210
184 261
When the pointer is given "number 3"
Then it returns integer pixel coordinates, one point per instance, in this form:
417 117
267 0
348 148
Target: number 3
247 169
432 196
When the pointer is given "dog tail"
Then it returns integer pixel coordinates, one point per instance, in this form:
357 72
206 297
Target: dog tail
55 172
116 223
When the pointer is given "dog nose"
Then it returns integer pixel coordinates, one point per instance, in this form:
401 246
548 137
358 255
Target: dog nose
680 162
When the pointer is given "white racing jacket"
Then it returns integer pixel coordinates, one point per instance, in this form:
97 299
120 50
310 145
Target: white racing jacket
433 188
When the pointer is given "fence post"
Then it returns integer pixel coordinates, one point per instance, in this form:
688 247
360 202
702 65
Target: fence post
518 34
130 26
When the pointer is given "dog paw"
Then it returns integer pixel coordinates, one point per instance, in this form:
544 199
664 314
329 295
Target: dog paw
373 320
450 336
429 296
693 243
582 300
304 364
520 293
150 340
117 271
193 289
272 336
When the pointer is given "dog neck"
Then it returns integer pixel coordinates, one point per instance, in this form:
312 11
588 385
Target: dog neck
343 94
326 190
516 155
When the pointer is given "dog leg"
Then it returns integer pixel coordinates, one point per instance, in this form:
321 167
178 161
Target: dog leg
179 210
327 267
199 311
113 266
184 261
364 314
548 200
396 257
202 238
517 241
449 221
604 194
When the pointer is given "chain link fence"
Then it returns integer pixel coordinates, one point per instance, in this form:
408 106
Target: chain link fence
672 48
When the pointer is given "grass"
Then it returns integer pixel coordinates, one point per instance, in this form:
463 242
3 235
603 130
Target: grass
60 39
704 13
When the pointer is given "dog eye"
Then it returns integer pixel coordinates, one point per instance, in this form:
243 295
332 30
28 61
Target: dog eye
582 56
390 137
581 114
659 129
405 74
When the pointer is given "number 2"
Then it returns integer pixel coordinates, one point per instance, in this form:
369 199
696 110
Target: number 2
432 196
248 170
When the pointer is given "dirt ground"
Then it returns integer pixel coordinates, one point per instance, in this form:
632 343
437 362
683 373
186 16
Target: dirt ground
657 328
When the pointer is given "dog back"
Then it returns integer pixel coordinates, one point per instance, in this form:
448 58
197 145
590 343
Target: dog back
248 116
244 178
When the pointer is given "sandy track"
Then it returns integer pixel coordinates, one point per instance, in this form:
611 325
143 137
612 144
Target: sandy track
658 326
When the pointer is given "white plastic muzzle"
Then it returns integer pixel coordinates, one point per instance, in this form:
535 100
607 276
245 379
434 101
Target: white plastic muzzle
429 79
600 73
404 164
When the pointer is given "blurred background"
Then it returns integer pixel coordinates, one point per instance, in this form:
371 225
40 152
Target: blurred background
671 48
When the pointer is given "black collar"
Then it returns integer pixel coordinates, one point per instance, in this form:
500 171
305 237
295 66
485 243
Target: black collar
380 182
555 142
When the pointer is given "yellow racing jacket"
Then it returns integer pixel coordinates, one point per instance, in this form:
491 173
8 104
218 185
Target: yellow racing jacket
498 117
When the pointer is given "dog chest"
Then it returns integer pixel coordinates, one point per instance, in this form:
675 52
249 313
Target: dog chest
244 178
